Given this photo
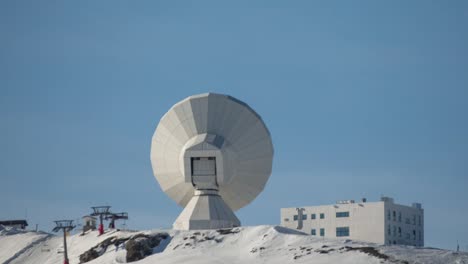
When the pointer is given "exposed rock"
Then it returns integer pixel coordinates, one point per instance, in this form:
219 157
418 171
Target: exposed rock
138 246
226 231
88 256
324 251
368 250
141 245
253 250
98 250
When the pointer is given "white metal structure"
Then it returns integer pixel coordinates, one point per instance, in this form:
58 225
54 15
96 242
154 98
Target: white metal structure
212 154
382 222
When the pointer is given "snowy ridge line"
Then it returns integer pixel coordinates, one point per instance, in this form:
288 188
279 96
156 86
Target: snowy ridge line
31 245
251 244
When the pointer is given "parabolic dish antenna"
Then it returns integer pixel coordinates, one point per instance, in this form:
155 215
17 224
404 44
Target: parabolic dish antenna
212 154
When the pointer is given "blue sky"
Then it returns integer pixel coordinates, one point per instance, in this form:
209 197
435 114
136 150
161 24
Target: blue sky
362 100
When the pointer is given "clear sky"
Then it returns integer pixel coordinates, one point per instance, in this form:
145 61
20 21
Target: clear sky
362 99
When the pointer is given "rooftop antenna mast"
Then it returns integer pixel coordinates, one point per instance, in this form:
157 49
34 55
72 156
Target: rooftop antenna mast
101 211
65 225
116 216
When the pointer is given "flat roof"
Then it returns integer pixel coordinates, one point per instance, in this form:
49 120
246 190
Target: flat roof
13 222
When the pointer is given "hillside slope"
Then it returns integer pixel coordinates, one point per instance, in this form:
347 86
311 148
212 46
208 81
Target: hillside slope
259 244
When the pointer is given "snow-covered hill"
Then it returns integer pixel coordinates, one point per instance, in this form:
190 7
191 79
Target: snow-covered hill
259 244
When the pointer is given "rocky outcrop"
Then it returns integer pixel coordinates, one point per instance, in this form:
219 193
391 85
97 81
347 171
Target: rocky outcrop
141 245
138 246
100 248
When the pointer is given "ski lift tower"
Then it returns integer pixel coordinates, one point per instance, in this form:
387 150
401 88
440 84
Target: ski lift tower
116 216
65 225
101 211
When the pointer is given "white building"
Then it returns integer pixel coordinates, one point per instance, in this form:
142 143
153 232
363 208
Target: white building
89 223
382 222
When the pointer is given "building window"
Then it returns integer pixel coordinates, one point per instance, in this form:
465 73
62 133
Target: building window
414 220
394 242
388 215
420 235
312 232
389 230
399 217
394 230
419 220
322 216
342 231
295 217
286 219
304 217
322 231
407 220
399 231
342 214
414 234
394 216
312 216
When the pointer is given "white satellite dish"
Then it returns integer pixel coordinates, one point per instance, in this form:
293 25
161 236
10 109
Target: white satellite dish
212 154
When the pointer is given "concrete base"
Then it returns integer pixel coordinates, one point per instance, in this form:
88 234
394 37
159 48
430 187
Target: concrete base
206 210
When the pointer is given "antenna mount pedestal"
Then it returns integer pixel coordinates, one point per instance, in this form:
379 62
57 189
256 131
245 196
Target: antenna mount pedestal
206 210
